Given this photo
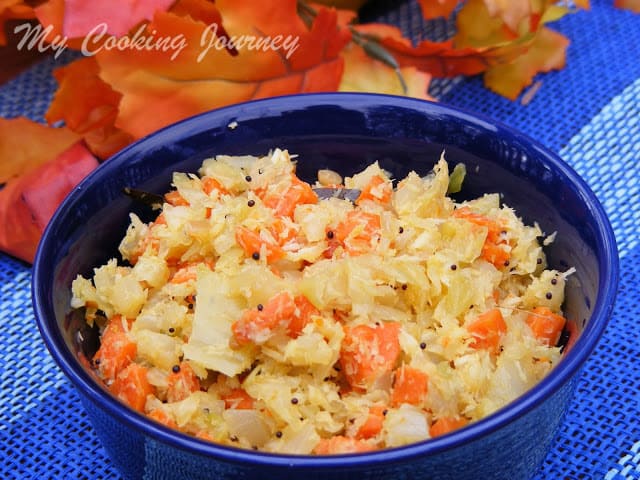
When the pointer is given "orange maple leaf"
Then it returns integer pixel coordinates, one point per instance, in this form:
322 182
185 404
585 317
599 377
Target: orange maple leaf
362 73
203 75
49 162
79 84
432 9
480 24
51 16
440 59
88 106
13 9
547 52
82 17
74 22
512 12
586 4
633 5
538 48
106 141
20 153
506 40
343 4
203 11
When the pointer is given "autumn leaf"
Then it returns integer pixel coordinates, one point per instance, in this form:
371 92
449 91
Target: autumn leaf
79 83
547 52
432 9
512 12
633 5
539 49
156 91
440 59
88 106
12 9
507 19
51 14
20 153
480 27
504 39
88 25
106 141
28 203
40 165
82 17
362 73
203 11
343 4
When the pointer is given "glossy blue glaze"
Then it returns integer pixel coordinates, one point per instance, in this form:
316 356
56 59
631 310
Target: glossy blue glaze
344 132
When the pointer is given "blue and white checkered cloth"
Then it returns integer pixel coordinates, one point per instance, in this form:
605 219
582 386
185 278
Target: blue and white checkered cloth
589 113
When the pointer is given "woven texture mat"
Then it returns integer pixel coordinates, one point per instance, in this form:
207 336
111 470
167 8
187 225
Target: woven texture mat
589 113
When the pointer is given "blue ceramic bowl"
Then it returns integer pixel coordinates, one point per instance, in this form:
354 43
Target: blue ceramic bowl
344 132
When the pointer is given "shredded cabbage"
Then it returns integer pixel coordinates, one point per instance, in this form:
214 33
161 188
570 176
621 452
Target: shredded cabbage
267 318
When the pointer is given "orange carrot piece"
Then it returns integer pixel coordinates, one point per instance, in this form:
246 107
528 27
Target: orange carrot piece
494 254
251 243
341 444
491 250
487 330
445 425
299 193
183 275
282 232
132 386
281 311
209 184
186 271
493 227
174 198
303 313
116 350
496 295
251 327
257 325
284 205
332 243
160 220
204 435
368 352
410 386
546 325
162 417
377 190
148 239
373 424
238 399
340 316
368 223
182 382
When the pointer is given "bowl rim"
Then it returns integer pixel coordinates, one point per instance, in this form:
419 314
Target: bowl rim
561 373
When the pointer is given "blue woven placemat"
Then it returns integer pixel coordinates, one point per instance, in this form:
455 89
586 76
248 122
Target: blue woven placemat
589 113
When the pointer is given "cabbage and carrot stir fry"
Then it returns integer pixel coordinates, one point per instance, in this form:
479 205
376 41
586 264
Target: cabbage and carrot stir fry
252 313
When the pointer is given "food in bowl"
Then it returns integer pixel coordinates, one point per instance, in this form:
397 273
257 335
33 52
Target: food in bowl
253 313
